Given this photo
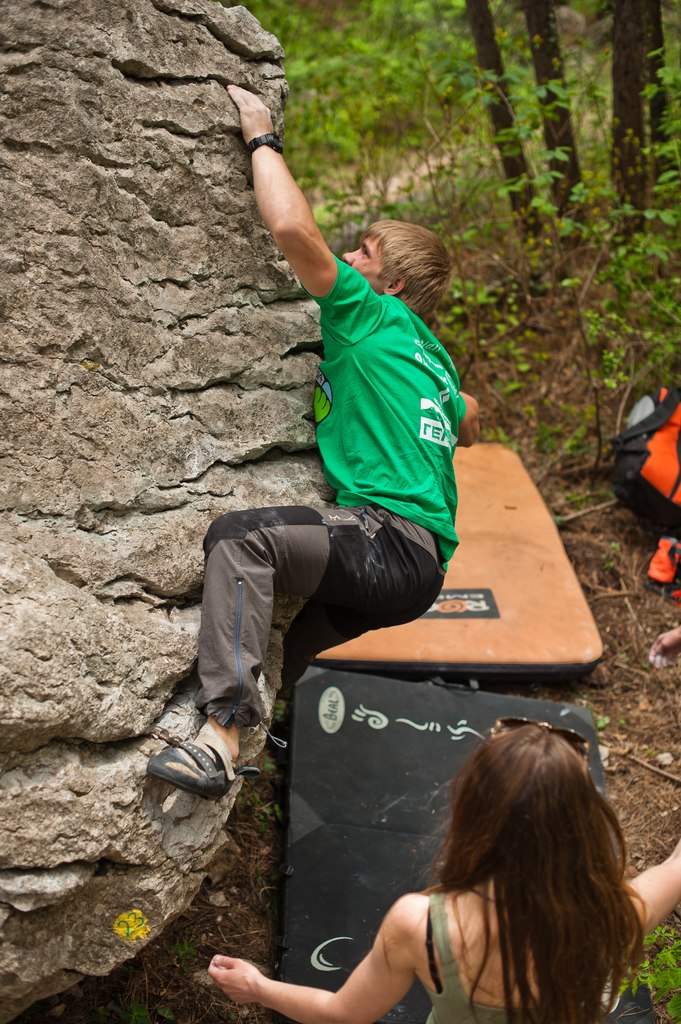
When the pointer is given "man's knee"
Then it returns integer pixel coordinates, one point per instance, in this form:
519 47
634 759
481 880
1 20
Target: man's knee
237 525
224 526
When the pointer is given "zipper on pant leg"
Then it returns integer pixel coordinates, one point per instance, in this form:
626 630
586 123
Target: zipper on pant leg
237 646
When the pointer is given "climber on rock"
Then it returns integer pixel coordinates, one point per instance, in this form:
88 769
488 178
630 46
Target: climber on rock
389 413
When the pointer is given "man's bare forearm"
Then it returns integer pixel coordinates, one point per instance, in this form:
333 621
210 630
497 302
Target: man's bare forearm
283 207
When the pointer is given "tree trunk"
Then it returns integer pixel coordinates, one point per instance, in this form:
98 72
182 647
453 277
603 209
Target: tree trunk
501 112
658 102
628 161
548 67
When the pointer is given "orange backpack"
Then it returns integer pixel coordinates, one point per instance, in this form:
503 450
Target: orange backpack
647 475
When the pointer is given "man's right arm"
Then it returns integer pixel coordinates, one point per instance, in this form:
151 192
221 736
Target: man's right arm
283 207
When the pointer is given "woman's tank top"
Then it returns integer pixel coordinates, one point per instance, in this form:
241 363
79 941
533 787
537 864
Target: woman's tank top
452 1006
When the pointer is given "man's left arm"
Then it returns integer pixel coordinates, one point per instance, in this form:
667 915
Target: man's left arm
283 207
469 426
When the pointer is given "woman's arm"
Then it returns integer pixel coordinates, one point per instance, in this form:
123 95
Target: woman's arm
373 988
660 889
666 648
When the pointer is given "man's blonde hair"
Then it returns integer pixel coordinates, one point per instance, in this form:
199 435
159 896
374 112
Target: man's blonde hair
416 255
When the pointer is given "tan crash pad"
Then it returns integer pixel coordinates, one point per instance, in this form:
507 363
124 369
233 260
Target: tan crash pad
511 604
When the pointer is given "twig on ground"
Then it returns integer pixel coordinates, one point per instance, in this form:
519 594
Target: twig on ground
654 768
632 668
633 615
587 511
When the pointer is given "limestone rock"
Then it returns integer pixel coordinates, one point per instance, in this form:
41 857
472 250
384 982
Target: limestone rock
156 361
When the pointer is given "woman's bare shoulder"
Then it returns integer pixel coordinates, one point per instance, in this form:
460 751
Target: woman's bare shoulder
404 929
410 906
406 916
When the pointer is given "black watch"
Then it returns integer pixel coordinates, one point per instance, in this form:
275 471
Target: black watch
271 140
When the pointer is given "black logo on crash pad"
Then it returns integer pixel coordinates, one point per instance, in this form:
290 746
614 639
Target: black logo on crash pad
464 604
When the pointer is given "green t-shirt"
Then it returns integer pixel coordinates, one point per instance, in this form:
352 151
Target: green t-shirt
387 407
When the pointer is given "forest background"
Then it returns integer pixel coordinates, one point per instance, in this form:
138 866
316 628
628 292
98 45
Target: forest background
543 144
549 161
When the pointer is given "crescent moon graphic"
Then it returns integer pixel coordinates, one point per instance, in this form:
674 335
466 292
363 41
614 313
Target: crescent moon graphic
318 961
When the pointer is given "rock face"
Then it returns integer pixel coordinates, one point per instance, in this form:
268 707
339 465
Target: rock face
155 371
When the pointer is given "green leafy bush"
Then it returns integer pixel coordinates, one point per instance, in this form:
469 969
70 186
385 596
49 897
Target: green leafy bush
661 970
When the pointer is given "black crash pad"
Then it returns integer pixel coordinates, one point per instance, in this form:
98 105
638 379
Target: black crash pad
370 762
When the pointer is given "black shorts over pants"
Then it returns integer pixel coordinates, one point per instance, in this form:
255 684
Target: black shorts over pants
360 568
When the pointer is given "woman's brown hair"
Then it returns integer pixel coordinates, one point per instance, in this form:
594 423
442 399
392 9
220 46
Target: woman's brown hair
527 818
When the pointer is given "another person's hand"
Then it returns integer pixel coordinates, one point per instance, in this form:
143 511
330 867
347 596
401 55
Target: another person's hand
236 978
255 117
666 648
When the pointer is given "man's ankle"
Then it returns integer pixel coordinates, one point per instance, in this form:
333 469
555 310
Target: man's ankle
229 734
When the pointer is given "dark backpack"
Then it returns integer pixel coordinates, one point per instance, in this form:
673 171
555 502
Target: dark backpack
647 475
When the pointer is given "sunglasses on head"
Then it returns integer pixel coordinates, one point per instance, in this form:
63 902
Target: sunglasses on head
575 739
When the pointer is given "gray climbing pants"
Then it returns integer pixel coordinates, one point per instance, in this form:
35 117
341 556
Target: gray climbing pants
360 569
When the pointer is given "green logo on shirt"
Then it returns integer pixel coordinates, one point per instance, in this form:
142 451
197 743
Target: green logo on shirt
323 397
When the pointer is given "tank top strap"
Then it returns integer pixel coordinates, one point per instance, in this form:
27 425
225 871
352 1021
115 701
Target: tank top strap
453 1004
443 945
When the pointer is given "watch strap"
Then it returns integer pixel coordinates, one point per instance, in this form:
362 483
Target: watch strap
270 139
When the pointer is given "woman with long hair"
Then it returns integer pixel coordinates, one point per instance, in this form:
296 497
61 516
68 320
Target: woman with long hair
531 920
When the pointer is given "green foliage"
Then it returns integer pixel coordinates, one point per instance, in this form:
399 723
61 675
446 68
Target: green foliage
388 115
611 557
661 969
360 85
186 950
268 813
135 1013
